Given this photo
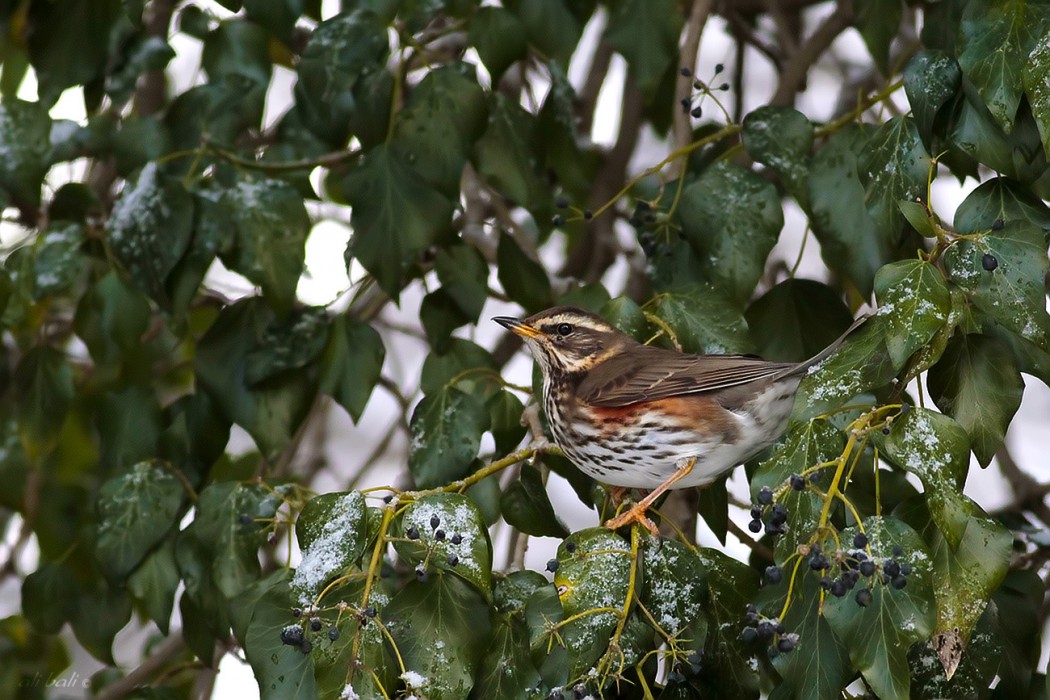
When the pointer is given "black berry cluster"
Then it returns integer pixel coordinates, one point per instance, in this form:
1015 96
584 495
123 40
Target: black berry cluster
778 513
296 635
855 564
438 535
563 203
768 630
701 89
680 671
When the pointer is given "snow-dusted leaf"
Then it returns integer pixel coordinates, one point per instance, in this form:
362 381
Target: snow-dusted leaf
332 535
675 582
703 319
914 299
446 434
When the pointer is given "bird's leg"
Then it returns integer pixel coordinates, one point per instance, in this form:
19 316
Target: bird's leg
617 494
636 513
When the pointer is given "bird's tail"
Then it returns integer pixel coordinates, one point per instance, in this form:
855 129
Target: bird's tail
829 350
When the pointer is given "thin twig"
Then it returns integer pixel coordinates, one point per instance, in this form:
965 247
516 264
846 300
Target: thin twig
795 70
683 129
140 676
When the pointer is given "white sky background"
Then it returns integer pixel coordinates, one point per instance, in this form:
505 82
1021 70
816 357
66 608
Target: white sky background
349 447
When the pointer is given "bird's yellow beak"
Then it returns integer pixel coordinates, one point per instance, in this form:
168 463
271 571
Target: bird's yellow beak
518 326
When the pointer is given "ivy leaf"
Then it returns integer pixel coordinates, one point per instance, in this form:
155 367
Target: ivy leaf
703 320
288 343
25 139
934 448
507 671
499 38
155 582
878 636
807 445
463 274
1010 294
505 412
646 34
727 660
57 259
470 365
396 216
49 597
45 391
507 158
732 217
526 506
796 319
781 138
995 41
931 80
136 510
451 514
915 301
593 577
150 229
101 613
446 431
351 363
272 226
675 585
1000 198
977 383
551 26
1036 79
524 279
442 629
110 319
878 21
331 535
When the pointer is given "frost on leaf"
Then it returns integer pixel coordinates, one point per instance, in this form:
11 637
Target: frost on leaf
331 532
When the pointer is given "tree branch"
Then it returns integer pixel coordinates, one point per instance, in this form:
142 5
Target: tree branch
683 129
793 76
168 650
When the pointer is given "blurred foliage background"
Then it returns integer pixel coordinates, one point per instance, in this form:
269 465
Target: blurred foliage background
169 387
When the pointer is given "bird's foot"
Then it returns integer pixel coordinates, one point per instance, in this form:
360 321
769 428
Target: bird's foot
634 514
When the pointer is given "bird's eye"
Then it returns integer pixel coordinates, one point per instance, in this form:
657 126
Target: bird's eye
564 329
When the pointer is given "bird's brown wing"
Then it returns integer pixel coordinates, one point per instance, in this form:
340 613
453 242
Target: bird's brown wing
648 373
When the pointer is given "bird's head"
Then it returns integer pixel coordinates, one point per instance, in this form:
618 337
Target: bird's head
566 339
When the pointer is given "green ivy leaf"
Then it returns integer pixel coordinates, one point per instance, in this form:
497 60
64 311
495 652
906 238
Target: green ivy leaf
289 343
456 514
646 34
446 431
136 510
507 158
978 384
675 585
1003 199
434 132
238 48
781 138
505 412
796 319
57 259
150 229
101 613
732 217
57 64
396 216
878 22
44 381
471 365
878 636
499 37
703 320
49 597
726 659
1012 294
272 226
507 671
463 274
995 41
25 139
807 444
1036 79
918 217
915 302
975 672
931 80
524 279
271 413
331 535
440 316
592 583
442 629
351 363
936 449
551 26
110 319
155 582
526 506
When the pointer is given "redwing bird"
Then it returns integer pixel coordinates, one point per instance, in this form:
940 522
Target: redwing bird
637 416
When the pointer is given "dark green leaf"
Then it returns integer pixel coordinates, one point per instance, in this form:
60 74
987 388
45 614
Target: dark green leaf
155 582
781 138
732 217
237 48
135 510
435 131
727 662
931 79
100 614
507 671
470 365
807 445
396 216
272 413
878 636
676 581
550 26
440 315
331 535
646 34
935 448
524 279
513 591
978 384
150 229
796 319
45 390
464 275
1004 199
25 136
996 39
507 158
1036 78
505 415
446 434
976 670
878 21
57 260
592 583
499 38
703 320
74 49
915 302
272 226
129 424
144 54
526 506
442 629
456 515
918 216
351 363
49 597
289 343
